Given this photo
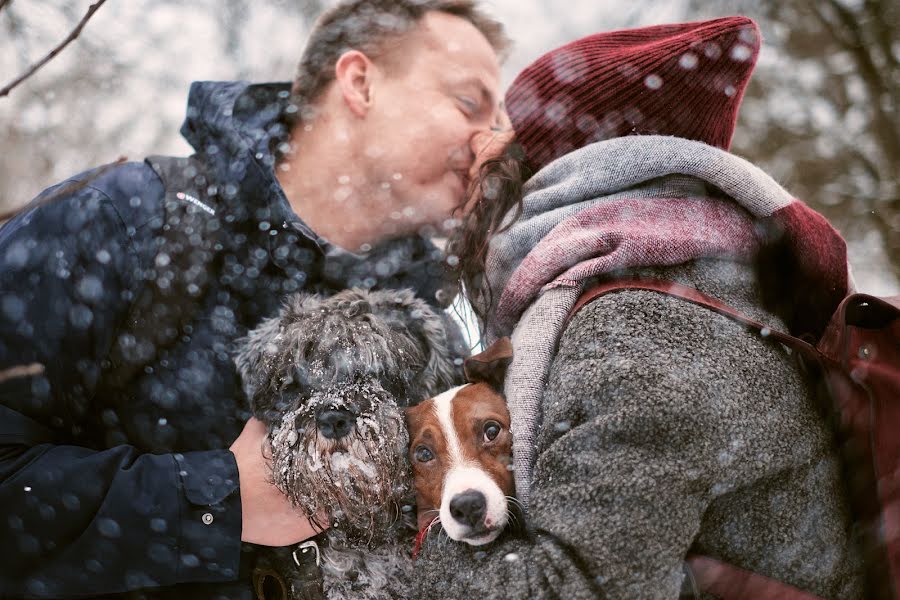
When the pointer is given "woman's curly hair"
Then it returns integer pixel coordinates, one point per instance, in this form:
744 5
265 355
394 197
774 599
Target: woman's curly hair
497 189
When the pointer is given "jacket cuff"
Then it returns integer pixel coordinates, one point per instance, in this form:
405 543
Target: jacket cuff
209 547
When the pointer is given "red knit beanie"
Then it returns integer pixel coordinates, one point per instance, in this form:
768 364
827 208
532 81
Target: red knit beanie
685 80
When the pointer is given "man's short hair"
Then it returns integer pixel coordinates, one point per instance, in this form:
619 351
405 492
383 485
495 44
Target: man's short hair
370 26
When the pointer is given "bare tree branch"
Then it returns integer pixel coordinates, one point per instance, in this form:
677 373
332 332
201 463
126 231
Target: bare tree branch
885 130
889 237
71 37
878 16
866 162
21 370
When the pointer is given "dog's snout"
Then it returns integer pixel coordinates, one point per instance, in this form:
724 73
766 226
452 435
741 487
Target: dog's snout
469 507
335 424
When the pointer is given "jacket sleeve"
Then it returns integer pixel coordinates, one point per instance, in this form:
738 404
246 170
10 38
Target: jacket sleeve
635 442
80 521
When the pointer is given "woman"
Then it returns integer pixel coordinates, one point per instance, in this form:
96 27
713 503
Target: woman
647 429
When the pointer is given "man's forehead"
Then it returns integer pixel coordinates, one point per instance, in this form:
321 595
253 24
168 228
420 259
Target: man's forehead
459 45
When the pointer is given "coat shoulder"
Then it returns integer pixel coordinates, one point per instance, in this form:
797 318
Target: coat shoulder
685 367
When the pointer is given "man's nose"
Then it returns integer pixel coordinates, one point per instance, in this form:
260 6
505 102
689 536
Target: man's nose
488 144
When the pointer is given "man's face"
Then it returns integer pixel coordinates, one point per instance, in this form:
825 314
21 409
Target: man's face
430 119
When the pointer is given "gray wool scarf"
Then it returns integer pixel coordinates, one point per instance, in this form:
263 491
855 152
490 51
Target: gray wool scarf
537 267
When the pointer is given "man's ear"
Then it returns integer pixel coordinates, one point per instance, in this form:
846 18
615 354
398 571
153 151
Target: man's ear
353 76
490 366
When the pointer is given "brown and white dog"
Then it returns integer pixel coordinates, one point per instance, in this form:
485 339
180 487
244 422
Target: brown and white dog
461 453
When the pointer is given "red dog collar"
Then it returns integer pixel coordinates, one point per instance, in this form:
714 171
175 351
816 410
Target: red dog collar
420 537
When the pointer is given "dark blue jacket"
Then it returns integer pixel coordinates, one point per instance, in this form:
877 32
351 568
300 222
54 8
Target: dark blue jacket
116 502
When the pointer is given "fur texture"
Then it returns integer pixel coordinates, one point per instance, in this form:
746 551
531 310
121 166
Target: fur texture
367 354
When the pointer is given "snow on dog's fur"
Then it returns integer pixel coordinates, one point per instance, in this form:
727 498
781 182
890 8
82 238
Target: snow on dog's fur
330 377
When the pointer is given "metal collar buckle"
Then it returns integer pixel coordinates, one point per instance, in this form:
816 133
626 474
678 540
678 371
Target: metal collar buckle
304 548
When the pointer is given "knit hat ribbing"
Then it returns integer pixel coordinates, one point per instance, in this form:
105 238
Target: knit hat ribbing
685 80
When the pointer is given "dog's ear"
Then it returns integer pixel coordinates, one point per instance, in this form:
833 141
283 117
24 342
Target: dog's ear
254 358
490 366
431 329
276 350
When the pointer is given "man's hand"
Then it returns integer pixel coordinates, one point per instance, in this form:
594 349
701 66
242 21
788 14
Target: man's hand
268 517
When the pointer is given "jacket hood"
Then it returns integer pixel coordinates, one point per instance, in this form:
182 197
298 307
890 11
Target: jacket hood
235 127
228 119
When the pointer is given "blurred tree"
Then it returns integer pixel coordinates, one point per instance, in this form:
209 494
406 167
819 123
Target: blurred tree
822 113
52 109
73 35
120 88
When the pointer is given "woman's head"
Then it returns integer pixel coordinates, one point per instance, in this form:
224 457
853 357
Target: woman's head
685 80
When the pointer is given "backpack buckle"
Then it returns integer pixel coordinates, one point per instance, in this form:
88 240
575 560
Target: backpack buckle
306 547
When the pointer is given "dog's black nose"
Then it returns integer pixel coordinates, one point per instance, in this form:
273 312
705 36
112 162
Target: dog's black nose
468 507
335 424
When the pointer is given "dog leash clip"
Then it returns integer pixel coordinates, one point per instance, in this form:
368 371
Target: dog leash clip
304 548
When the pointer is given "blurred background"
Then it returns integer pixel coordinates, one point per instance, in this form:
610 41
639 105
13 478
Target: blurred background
821 113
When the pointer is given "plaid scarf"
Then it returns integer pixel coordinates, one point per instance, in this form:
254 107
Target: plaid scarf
648 201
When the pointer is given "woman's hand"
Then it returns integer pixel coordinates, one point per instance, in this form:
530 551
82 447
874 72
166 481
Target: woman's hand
268 517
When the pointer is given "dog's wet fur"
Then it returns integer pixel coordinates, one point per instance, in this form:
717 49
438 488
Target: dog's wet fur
330 377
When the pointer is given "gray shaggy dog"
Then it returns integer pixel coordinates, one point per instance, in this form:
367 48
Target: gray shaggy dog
329 376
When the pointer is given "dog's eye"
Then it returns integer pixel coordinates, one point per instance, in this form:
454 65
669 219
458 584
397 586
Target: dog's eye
423 454
491 430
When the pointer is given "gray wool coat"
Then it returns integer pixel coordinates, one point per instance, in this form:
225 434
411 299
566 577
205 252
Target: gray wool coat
667 429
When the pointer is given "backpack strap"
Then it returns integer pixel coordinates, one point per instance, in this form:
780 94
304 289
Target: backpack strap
175 283
694 296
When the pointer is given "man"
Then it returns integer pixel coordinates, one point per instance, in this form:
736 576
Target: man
124 465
